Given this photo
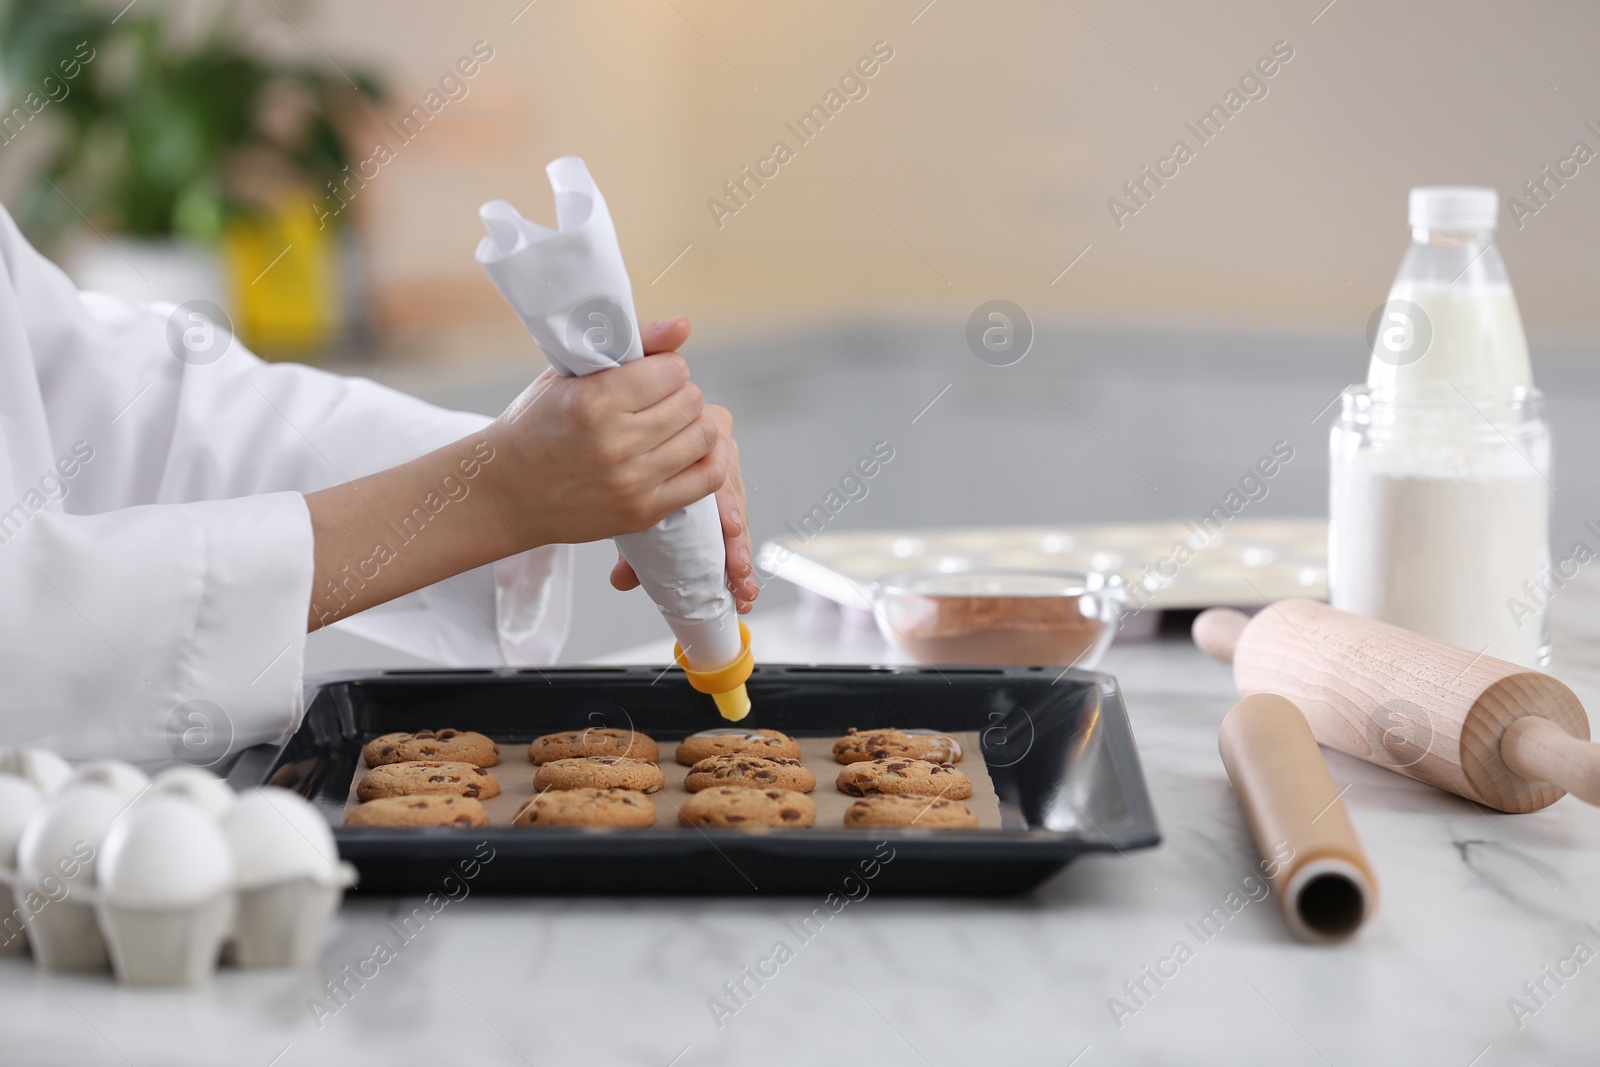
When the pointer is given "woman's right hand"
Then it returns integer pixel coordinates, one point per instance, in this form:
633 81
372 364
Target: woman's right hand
584 458
572 460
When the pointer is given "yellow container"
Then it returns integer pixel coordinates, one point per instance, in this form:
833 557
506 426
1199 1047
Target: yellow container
285 279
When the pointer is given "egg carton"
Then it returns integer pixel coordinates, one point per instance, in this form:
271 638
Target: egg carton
1243 563
157 881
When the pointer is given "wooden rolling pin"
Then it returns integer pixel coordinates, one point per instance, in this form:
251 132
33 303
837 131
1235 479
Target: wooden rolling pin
1502 735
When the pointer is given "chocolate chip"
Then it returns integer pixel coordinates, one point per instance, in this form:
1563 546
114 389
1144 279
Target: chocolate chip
788 815
470 791
445 735
773 794
763 774
436 778
735 818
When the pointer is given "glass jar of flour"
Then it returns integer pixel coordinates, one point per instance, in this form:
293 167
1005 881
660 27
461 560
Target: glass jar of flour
1440 514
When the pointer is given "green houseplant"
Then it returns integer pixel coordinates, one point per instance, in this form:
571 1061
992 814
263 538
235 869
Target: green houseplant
159 137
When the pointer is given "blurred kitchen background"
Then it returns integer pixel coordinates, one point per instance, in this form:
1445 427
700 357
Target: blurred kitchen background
185 150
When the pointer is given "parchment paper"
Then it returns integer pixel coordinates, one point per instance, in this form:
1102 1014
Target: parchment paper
515 774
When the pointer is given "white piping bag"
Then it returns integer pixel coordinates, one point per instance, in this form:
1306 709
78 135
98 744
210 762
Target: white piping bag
571 290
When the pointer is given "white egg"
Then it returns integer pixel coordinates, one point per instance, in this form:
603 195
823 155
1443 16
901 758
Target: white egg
19 800
165 852
277 835
46 770
200 787
64 836
123 779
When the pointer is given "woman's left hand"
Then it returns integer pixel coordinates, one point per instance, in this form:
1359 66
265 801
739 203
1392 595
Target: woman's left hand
666 336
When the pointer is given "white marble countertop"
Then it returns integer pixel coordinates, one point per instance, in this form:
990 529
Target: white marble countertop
1474 905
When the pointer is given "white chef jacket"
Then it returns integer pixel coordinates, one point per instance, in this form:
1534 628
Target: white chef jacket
155 548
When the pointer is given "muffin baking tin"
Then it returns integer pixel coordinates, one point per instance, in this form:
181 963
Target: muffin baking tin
1246 562
1057 748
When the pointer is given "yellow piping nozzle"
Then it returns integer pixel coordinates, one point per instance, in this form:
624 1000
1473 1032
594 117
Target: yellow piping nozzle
726 684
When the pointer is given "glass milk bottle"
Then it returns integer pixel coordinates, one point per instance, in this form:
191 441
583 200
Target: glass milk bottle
1439 504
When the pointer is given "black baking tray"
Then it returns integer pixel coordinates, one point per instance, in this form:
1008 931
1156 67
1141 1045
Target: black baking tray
1058 748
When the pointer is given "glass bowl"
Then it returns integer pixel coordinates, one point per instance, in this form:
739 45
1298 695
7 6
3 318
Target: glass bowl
1007 616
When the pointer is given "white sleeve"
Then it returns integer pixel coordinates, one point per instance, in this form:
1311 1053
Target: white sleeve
112 625
179 556
245 426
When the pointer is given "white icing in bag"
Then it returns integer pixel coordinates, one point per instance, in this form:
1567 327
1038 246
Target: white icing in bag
570 289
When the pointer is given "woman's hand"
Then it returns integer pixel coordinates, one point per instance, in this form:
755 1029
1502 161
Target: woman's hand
571 460
594 456
663 337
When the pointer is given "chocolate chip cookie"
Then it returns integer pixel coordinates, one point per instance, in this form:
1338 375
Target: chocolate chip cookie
903 776
736 741
462 746
858 746
595 741
599 772
434 810
427 776
927 813
752 772
738 807
588 807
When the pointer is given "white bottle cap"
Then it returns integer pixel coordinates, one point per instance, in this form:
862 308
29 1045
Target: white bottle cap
1454 207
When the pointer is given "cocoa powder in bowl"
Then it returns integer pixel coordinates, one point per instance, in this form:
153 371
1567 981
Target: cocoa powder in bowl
1000 616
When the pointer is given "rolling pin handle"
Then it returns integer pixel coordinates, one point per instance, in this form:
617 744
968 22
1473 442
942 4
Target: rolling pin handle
1216 631
1539 750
